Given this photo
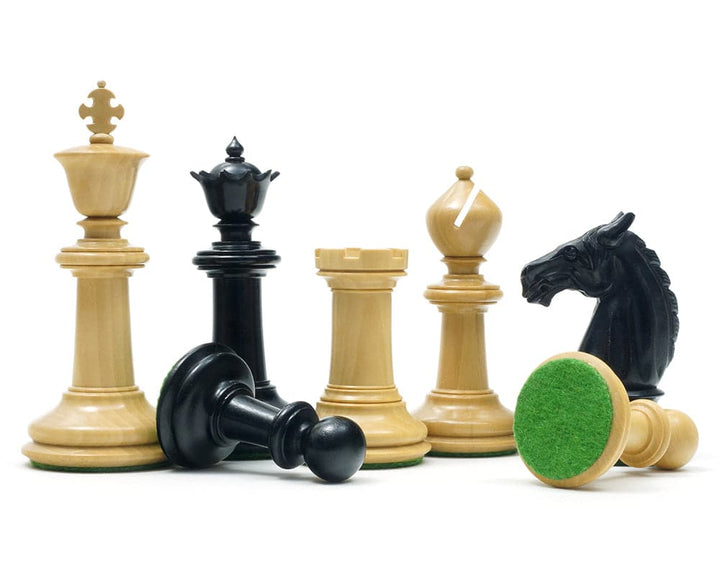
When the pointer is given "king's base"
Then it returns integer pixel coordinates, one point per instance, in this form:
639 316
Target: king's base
393 437
96 429
95 459
467 424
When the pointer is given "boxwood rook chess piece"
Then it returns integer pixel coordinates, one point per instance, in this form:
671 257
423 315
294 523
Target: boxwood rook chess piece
361 383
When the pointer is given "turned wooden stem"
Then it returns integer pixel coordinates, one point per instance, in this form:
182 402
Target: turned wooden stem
462 363
658 437
103 351
361 339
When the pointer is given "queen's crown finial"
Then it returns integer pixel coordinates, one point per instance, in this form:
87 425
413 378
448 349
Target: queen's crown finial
235 189
235 151
101 113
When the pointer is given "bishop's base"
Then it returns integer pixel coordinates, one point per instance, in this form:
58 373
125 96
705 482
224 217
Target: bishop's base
393 437
97 429
467 424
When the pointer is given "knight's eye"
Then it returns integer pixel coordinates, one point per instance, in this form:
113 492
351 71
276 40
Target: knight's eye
570 253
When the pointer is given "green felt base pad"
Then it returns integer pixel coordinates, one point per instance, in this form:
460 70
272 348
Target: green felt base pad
470 454
384 465
154 466
563 418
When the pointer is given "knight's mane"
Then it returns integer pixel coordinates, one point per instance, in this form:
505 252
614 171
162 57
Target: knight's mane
653 262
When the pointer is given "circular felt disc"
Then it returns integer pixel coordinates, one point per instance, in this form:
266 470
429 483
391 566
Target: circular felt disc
571 419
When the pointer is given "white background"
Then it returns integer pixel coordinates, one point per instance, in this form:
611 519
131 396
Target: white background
569 112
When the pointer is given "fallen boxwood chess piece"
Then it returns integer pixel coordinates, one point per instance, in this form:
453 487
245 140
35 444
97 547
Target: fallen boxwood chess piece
573 421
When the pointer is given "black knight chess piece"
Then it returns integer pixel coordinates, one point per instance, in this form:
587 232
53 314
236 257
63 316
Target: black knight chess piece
635 323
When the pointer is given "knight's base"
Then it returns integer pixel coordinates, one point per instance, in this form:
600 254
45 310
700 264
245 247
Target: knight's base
650 393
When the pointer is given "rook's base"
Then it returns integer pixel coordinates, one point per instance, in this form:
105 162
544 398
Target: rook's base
393 437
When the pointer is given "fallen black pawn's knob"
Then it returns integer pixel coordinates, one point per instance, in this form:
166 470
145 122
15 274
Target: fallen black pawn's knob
206 407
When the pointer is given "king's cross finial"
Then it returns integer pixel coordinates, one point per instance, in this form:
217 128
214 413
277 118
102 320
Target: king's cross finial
101 113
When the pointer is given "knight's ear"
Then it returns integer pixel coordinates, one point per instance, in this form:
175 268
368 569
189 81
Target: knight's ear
610 234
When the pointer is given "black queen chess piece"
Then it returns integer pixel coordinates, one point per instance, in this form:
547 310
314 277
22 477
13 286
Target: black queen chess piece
235 192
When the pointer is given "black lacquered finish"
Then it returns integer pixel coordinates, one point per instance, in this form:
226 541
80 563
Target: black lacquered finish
635 323
206 407
235 193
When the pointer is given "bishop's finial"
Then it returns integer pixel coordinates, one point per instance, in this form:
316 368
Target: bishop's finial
101 113
463 222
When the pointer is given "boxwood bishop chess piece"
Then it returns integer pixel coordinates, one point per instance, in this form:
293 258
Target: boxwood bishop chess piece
235 193
206 407
103 421
463 415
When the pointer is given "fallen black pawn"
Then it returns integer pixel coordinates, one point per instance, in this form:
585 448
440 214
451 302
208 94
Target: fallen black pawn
206 407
